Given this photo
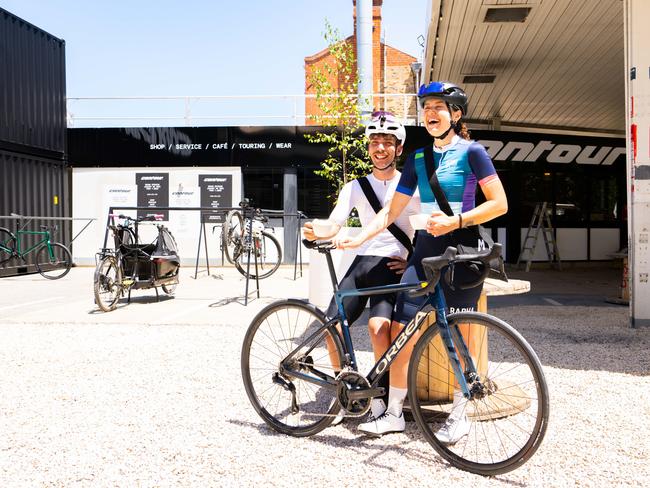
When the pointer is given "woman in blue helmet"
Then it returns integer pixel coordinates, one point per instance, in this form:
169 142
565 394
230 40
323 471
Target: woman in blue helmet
459 165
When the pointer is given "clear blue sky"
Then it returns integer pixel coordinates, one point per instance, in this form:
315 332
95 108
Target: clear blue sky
193 47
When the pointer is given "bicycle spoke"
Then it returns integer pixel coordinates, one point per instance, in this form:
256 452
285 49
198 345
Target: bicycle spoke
504 423
278 334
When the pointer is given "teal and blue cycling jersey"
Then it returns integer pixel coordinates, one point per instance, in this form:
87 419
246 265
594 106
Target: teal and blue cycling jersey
458 166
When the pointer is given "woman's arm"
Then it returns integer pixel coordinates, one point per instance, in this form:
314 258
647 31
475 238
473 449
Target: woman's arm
382 220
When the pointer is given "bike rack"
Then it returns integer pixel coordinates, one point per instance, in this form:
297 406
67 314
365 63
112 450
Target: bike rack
25 267
15 216
203 235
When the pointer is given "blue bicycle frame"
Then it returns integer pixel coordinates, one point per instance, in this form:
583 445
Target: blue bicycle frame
435 301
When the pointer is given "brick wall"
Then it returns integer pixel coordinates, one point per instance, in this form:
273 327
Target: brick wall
391 69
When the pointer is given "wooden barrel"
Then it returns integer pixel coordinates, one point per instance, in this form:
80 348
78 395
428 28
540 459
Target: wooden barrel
436 379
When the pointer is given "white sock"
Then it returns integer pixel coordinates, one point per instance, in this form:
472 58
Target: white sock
377 407
396 398
458 407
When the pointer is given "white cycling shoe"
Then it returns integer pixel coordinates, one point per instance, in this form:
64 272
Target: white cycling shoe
454 429
384 424
338 419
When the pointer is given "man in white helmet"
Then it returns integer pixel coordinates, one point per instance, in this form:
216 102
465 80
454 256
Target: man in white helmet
381 260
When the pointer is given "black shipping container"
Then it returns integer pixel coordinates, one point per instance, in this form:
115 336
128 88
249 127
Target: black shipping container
32 89
33 186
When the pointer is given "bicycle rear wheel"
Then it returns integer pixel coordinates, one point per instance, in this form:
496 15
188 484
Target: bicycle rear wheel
289 404
56 265
269 256
107 283
231 233
507 419
7 245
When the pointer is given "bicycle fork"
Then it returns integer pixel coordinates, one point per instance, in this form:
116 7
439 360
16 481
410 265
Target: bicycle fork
446 333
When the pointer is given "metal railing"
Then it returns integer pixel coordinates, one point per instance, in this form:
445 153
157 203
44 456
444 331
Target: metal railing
213 110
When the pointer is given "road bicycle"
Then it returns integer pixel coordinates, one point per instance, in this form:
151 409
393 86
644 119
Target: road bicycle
299 369
244 237
53 259
131 265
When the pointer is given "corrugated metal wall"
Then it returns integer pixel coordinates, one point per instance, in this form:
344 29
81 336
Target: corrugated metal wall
36 187
32 86
34 178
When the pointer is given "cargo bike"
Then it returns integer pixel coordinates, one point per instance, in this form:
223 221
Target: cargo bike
131 265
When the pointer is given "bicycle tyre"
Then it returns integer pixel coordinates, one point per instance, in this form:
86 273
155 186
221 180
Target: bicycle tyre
515 407
57 268
107 284
269 257
8 240
272 334
231 234
170 289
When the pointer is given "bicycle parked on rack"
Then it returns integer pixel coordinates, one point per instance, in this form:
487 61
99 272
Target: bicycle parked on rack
244 237
53 259
291 352
132 265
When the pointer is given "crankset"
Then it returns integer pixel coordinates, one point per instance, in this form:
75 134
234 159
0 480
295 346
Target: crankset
353 393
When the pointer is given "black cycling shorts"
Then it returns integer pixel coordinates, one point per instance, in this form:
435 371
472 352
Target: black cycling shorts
364 272
457 299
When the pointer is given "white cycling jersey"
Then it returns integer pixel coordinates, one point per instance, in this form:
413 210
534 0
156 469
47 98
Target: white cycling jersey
352 196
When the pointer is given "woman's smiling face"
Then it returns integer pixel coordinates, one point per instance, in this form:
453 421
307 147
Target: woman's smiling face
437 116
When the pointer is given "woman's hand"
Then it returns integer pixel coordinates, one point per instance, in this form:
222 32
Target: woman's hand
398 264
440 223
347 242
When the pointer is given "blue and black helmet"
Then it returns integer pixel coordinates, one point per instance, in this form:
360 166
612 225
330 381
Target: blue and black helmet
452 94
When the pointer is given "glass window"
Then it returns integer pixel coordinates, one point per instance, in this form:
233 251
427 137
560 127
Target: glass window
536 188
571 192
264 187
314 194
604 196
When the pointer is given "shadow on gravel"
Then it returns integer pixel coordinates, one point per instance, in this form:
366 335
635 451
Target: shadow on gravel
361 444
583 338
369 450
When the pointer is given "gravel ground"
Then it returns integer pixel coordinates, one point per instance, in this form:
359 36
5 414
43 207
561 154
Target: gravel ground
127 404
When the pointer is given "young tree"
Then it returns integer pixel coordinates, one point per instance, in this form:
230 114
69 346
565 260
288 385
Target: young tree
335 87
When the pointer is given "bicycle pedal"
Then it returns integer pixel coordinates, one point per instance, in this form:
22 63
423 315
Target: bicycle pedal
127 282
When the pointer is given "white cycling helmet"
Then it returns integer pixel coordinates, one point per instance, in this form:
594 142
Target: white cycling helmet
382 122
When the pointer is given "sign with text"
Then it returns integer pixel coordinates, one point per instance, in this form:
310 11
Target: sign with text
216 192
153 191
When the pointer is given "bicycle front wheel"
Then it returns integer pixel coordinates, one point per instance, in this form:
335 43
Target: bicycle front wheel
7 245
269 256
107 284
55 265
231 233
170 289
507 417
290 404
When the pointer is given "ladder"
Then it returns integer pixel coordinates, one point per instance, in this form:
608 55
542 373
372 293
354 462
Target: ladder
540 221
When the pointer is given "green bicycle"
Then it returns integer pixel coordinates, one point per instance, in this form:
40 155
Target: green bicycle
53 260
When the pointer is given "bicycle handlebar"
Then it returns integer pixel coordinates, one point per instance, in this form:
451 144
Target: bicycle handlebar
433 267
